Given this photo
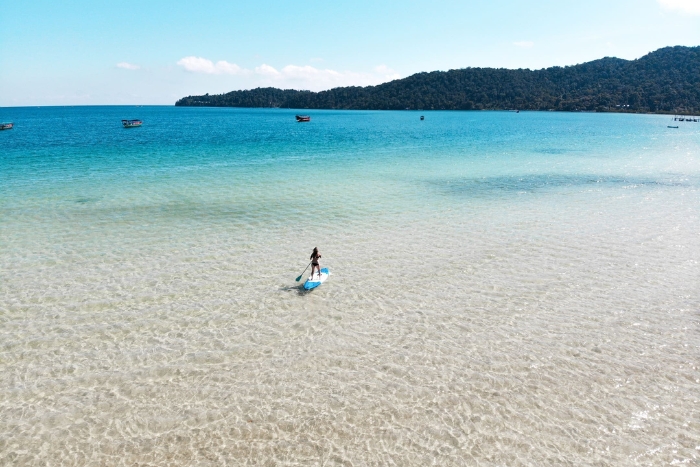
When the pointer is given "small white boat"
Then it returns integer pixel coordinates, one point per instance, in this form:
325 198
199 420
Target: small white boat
6 126
131 123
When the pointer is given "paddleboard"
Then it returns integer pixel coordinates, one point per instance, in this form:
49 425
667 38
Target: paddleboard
315 281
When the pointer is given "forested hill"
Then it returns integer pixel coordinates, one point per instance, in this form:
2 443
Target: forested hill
667 80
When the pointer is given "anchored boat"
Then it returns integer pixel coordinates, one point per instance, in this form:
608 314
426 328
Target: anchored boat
303 118
6 126
686 118
131 123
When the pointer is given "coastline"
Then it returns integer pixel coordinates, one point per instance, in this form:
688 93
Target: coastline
611 111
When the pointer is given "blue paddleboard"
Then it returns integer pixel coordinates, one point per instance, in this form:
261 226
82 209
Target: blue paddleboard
315 281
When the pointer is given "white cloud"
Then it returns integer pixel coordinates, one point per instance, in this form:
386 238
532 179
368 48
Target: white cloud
202 65
228 68
290 76
309 73
524 44
317 79
197 65
383 69
266 70
691 7
127 66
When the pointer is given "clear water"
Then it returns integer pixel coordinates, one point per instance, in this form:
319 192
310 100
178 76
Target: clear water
506 289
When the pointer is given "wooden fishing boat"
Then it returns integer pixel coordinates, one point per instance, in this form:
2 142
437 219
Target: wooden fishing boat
303 118
131 123
6 126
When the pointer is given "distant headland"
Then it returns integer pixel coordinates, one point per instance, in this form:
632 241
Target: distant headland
664 81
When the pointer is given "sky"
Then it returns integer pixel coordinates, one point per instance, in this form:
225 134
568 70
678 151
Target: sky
155 52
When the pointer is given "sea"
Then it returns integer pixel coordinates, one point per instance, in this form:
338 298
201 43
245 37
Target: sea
506 289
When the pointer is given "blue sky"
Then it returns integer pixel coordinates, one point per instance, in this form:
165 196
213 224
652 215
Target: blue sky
154 52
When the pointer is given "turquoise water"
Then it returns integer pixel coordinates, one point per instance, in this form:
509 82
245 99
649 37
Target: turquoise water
506 289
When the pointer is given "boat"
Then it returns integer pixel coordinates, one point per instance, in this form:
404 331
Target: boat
131 123
690 118
303 118
672 126
6 126
422 117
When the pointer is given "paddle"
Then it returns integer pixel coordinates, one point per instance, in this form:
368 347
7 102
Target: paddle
302 273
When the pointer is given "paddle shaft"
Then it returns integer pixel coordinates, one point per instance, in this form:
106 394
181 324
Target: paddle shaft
302 272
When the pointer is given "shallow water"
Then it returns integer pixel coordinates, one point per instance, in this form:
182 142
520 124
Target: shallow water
506 289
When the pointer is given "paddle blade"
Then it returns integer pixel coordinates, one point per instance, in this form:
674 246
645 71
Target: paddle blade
299 278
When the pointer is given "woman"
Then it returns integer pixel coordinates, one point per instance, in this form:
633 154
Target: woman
315 255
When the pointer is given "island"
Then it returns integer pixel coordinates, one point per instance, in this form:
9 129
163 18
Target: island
664 81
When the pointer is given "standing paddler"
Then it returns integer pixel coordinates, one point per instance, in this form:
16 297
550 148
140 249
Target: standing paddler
315 256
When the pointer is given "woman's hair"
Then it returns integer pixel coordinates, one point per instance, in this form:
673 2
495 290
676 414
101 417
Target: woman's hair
315 249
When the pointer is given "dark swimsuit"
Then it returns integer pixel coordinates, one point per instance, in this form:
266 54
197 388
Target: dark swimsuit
314 261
